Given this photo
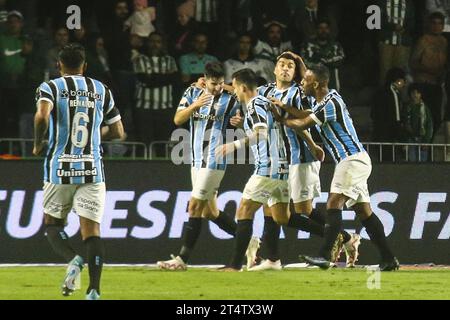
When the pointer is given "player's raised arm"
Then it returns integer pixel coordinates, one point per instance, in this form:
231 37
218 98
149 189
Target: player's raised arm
186 110
258 134
301 124
41 123
294 112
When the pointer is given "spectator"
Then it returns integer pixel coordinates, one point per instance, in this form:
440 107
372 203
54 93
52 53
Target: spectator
136 44
61 39
397 28
327 51
192 65
274 44
387 108
206 13
118 47
280 12
30 79
428 65
185 28
140 22
12 66
442 6
97 59
306 18
157 75
3 15
79 36
243 16
244 58
418 124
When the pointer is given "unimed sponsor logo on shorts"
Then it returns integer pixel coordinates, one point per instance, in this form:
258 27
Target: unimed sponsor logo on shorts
22 214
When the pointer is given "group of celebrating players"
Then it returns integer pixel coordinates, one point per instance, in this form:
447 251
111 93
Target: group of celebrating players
77 113
277 118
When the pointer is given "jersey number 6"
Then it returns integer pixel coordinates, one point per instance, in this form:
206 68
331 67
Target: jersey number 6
80 133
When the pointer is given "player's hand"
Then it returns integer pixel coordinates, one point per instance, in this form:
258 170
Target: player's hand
276 115
224 149
229 88
38 149
204 99
237 120
319 153
277 103
293 54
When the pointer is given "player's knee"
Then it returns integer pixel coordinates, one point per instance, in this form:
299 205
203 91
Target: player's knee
304 207
51 221
207 214
245 212
281 220
336 202
195 209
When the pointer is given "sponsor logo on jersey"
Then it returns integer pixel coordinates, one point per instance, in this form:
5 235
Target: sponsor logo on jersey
80 93
207 117
76 173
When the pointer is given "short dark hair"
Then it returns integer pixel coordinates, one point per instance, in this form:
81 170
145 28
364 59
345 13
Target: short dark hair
73 56
436 15
247 77
321 72
214 70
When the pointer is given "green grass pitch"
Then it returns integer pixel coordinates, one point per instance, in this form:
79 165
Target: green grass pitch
137 283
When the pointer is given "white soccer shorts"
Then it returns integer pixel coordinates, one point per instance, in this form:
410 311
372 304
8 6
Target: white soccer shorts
304 181
86 200
205 183
350 178
266 191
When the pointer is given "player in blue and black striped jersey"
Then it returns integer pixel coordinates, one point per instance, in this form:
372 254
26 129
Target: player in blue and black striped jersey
353 167
73 109
288 99
208 111
269 182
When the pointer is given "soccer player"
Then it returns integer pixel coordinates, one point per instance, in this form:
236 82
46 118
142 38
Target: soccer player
209 110
353 167
304 167
72 109
268 185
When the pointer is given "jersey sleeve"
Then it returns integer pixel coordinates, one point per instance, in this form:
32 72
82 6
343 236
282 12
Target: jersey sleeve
44 93
187 99
324 113
257 114
112 113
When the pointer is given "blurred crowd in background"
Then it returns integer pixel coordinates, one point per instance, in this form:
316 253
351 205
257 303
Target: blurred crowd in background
395 80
